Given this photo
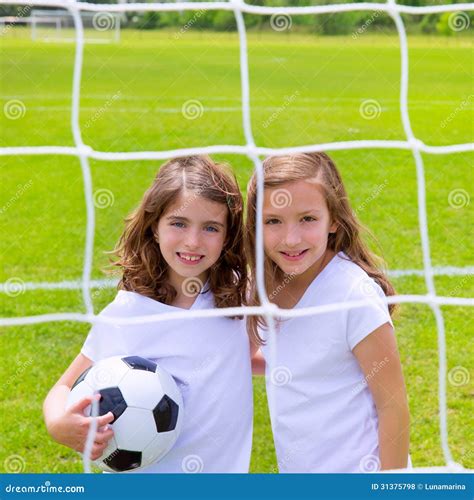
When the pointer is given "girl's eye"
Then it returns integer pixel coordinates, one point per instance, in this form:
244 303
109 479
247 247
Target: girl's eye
308 218
177 224
212 229
272 221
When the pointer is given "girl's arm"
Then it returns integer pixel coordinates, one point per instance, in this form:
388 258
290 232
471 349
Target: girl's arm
70 427
258 361
378 357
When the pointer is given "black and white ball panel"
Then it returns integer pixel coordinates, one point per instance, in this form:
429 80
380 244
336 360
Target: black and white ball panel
147 407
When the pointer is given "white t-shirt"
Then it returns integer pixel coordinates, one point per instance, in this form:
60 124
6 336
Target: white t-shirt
209 359
325 418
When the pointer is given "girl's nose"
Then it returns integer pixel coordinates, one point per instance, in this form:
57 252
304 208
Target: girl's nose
192 239
292 237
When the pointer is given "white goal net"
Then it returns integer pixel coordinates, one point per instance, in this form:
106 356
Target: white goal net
78 27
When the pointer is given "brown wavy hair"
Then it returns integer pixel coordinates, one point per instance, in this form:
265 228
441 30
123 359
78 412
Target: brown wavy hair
318 167
145 271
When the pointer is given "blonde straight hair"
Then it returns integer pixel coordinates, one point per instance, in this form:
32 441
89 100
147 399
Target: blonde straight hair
315 167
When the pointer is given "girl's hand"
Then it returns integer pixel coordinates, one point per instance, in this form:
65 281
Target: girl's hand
72 427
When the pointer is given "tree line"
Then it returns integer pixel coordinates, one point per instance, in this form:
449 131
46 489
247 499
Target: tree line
321 24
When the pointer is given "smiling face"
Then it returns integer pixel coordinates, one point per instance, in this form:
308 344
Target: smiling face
296 226
191 233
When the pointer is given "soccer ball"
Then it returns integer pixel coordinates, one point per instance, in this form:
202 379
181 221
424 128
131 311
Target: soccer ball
147 406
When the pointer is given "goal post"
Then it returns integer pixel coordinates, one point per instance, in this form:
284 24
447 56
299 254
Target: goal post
58 26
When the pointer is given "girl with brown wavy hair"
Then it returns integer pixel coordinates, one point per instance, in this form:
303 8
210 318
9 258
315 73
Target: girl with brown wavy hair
182 248
336 391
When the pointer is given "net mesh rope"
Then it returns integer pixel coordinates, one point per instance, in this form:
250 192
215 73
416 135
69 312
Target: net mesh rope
251 150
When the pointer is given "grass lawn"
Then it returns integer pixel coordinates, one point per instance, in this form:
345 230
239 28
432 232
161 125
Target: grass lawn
304 90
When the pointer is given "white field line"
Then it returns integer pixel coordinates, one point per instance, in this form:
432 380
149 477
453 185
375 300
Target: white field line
105 97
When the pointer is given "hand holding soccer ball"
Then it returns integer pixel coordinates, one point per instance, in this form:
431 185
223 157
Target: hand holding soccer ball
140 401
72 428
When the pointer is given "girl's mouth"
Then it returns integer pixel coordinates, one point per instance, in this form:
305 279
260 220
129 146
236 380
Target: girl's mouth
190 259
294 256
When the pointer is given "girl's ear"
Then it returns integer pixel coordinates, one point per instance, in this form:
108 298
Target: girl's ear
333 227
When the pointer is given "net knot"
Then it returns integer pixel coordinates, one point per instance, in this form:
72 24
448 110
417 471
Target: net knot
392 8
415 143
271 309
84 150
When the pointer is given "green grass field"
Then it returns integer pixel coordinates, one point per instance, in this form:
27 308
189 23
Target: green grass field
304 90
